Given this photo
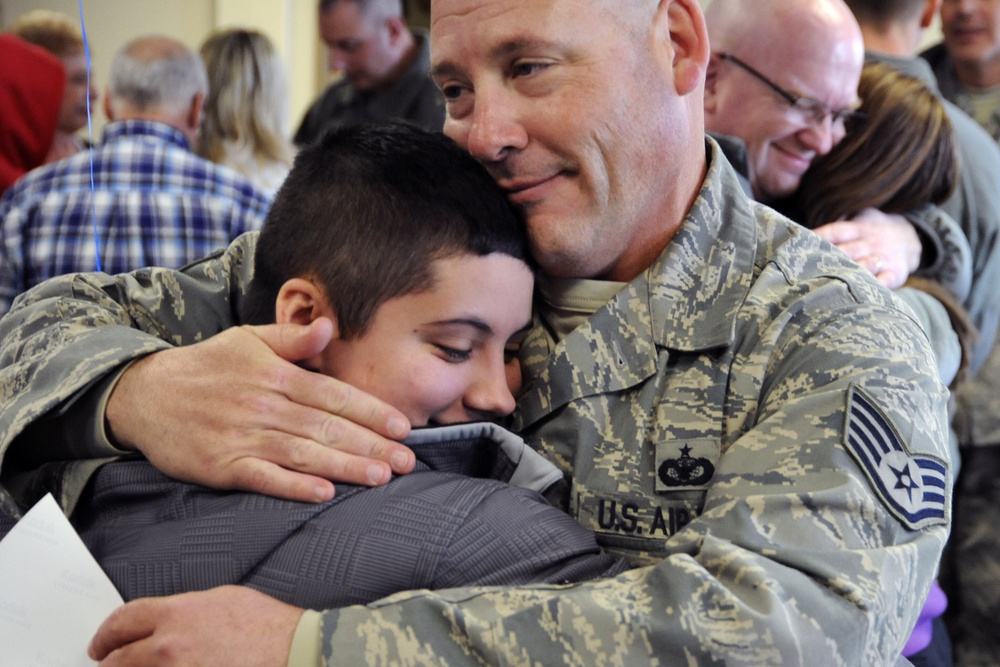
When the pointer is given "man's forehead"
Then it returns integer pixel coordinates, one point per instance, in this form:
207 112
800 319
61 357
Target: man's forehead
448 16
823 68
496 29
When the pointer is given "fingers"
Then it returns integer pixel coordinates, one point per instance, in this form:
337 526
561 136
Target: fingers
880 243
840 232
356 431
294 343
289 482
126 624
228 625
236 412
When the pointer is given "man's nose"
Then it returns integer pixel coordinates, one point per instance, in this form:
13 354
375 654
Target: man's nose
335 60
819 135
966 6
494 128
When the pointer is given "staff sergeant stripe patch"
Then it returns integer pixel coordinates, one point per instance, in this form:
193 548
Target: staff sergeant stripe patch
913 487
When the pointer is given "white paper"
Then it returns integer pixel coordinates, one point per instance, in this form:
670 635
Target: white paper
53 594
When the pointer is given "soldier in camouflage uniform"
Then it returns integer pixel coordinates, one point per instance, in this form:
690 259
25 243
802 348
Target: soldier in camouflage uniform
742 412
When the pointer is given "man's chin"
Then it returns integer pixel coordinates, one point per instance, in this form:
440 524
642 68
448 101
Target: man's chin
777 191
360 84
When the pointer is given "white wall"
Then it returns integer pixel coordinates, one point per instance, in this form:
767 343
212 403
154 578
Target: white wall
291 25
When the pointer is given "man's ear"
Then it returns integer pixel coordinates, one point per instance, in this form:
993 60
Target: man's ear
681 25
929 12
300 301
711 82
194 112
108 111
397 29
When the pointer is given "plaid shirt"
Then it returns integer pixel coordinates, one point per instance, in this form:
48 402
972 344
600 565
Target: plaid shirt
157 204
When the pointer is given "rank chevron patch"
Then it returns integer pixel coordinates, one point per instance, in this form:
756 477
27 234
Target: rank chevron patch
913 487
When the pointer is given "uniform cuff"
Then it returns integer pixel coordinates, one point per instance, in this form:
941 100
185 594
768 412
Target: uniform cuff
306 650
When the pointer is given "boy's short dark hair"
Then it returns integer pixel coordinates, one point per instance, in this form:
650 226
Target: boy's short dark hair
366 210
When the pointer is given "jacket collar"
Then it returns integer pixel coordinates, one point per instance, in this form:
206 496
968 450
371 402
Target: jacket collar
144 128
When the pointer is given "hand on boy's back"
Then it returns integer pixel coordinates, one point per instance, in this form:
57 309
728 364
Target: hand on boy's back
236 412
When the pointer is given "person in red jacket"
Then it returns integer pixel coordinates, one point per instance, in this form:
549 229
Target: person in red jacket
31 91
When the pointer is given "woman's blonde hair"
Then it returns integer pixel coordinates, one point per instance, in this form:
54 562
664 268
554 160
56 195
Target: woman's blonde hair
53 31
247 97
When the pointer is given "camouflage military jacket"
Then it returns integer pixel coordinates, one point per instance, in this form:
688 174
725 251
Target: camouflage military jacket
753 421
731 420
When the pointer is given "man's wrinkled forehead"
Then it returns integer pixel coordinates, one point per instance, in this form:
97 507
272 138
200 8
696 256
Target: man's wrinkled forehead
825 67
497 28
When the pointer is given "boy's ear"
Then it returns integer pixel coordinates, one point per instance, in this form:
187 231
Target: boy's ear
301 301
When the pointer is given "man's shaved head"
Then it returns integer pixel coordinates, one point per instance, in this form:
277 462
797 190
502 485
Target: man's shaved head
812 50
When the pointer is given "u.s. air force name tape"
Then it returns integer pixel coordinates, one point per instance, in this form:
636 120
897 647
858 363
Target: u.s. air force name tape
912 486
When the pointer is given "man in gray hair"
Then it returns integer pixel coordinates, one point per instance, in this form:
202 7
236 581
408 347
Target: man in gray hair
152 201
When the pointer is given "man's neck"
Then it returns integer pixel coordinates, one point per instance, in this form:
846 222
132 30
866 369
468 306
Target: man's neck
896 40
978 74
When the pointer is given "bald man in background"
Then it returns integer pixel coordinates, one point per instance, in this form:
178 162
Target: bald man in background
782 81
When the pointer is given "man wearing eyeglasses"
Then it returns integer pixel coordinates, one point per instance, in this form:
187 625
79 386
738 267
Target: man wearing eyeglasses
783 80
384 66
788 97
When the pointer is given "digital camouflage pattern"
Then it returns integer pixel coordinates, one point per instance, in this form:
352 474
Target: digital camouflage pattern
740 352
72 336
754 421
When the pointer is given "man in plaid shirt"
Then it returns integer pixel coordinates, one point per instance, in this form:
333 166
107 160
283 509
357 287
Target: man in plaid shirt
152 203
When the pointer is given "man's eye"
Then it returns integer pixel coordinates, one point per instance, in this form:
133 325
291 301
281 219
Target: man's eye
454 355
350 47
527 68
451 92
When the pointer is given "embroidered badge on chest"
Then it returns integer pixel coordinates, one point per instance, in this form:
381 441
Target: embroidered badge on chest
685 465
913 487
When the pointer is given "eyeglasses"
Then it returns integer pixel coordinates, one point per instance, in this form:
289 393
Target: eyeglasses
808 109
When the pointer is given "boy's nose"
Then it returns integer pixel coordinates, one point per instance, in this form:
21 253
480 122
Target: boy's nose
491 395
